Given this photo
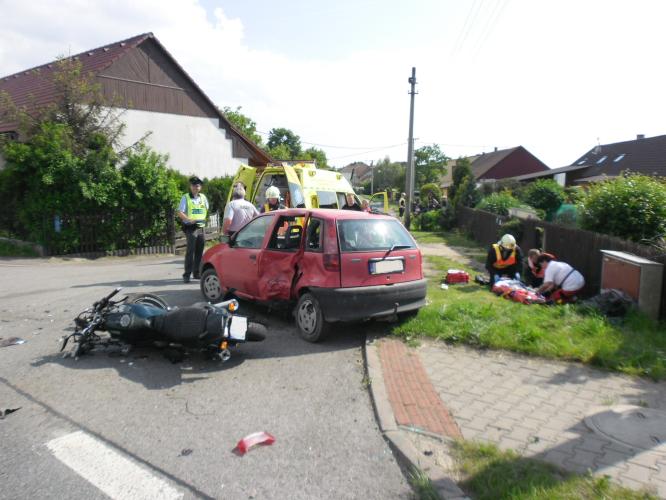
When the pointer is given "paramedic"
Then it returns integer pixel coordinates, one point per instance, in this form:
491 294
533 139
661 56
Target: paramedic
272 200
504 259
561 282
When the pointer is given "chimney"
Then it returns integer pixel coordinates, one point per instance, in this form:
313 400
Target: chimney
640 136
495 148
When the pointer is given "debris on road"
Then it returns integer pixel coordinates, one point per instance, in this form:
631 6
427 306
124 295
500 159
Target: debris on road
11 341
7 411
254 439
185 452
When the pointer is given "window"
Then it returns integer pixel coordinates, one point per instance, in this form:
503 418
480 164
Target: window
582 161
602 159
313 235
268 180
363 235
252 235
287 233
327 199
619 158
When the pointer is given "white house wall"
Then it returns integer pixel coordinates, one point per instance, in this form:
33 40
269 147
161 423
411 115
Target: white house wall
195 145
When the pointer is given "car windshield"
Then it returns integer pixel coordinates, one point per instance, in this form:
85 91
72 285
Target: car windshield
363 235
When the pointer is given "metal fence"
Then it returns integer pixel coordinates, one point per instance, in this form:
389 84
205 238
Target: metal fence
580 248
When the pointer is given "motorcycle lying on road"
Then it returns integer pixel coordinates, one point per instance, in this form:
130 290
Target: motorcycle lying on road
144 319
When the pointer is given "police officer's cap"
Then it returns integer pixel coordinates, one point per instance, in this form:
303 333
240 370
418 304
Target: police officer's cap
195 180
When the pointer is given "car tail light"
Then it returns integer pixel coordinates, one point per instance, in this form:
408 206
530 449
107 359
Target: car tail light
331 253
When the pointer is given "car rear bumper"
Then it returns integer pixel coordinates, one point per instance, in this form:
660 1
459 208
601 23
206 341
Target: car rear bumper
349 304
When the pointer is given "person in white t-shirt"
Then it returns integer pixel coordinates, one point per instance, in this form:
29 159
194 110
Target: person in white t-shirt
238 211
561 282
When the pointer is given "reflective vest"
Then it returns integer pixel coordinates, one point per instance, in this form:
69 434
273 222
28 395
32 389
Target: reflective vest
501 263
267 207
196 209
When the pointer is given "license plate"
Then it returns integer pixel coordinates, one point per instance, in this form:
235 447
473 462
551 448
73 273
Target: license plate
238 328
387 266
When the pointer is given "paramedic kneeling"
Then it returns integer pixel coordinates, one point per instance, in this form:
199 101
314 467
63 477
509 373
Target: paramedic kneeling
561 282
504 259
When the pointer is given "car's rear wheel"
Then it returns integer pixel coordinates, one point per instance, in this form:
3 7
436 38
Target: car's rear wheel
210 285
310 319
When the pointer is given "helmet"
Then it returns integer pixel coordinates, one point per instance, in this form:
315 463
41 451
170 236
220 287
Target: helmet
507 241
272 192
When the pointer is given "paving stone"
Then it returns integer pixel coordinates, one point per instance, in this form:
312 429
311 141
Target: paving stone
639 473
646 459
593 444
611 457
556 457
586 458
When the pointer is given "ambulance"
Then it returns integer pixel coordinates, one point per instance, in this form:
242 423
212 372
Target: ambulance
302 185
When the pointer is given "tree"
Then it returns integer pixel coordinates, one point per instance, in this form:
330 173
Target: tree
243 123
430 164
461 170
544 194
388 174
632 207
318 155
284 137
462 193
499 203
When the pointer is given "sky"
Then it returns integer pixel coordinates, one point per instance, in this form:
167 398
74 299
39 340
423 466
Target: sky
556 77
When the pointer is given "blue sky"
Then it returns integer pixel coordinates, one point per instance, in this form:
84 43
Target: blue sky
552 76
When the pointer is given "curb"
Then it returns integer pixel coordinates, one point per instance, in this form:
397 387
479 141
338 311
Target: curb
396 436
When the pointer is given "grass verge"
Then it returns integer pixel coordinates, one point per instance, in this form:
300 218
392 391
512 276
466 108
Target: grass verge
469 314
490 474
423 487
9 249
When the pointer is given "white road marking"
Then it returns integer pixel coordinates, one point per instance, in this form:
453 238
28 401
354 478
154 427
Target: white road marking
114 474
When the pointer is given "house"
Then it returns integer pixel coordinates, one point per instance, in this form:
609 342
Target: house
357 173
643 155
496 165
161 100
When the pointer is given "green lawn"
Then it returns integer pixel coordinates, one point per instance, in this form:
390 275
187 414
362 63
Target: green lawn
490 473
469 314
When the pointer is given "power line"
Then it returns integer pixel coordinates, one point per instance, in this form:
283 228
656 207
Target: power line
499 9
469 27
370 151
332 147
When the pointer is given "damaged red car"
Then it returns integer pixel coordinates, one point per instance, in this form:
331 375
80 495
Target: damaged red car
333 265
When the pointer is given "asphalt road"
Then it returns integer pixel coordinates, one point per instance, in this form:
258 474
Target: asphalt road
141 427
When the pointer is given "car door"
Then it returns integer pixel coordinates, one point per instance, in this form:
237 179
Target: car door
295 188
239 266
278 263
379 202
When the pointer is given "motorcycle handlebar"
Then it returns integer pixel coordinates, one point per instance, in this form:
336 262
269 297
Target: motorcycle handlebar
230 305
102 303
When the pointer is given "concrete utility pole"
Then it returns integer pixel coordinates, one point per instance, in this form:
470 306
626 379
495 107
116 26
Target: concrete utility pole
409 175
372 177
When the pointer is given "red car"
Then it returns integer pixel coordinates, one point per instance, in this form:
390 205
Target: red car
335 265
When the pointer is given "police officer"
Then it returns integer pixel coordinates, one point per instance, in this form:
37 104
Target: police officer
272 200
192 212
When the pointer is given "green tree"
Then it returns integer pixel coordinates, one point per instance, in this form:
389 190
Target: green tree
430 165
217 190
243 123
318 155
632 207
499 203
388 174
284 137
461 171
544 194
428 189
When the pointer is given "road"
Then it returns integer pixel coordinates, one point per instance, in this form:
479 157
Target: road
142 427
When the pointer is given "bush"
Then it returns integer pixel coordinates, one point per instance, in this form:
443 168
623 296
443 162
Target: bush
217 190
431 220
513 227
499 203
428 189
544 194
631 207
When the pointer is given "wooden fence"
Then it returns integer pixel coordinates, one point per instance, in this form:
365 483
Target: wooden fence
580 248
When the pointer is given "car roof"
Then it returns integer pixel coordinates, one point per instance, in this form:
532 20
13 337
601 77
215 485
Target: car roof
329 213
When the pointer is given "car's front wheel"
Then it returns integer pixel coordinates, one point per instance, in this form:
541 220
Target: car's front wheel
310 318
210 285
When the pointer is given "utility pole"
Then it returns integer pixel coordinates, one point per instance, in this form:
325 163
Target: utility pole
409 175
372 177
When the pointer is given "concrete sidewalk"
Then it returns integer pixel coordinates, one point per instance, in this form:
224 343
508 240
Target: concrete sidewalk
573 416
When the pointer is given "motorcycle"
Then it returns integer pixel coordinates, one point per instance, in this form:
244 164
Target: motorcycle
145 319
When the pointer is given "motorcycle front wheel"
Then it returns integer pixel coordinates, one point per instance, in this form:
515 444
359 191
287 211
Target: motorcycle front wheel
147 299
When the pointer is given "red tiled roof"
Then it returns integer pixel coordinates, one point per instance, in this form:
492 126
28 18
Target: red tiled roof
34 87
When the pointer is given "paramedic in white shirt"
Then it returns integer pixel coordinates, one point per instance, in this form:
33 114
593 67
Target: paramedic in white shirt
560 280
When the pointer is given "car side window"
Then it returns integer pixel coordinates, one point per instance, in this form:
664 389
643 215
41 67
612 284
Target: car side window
252 235
313 235
287 233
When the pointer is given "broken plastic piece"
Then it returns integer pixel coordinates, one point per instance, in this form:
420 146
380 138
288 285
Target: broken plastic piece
11 341
251 440
4 413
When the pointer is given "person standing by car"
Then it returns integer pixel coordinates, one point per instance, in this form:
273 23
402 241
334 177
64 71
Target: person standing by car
192 213
561 282
504 258
272 200
238 211
350 203
402 204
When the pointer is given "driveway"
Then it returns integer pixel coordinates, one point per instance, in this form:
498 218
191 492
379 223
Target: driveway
142 427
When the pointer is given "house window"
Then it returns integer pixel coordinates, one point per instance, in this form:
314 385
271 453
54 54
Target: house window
619 158
602 159
582 161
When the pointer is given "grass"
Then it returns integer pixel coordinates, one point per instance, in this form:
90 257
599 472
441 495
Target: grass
8 249
469 314
491 474
423 487
450 238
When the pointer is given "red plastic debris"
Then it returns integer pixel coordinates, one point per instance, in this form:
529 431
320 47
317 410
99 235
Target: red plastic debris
456 276
253 439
